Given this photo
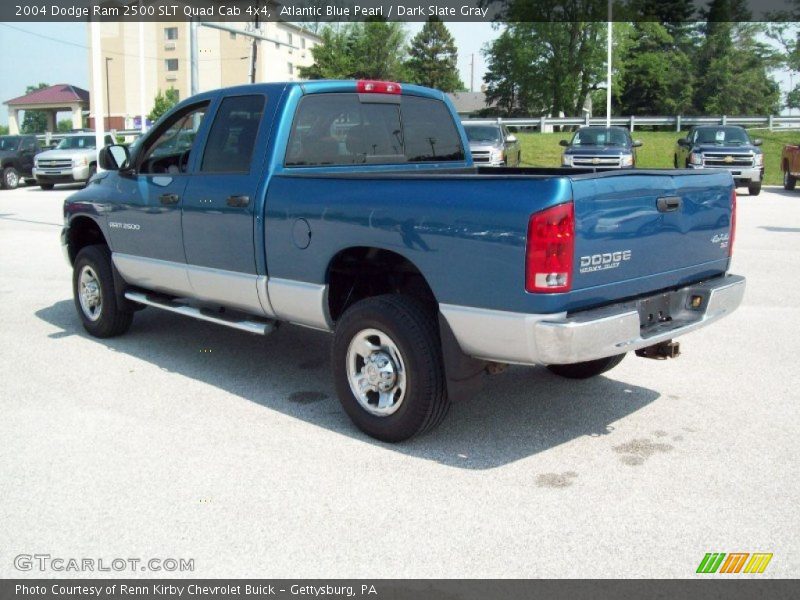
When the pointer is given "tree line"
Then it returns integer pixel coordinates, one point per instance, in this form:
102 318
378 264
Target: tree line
664 63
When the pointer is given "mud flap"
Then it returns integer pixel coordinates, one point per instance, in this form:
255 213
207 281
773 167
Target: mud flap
465 375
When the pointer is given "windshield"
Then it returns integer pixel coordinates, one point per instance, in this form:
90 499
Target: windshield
483 133
78 141
721 135
600 137
9 142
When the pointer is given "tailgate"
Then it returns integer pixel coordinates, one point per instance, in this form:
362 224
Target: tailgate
637 232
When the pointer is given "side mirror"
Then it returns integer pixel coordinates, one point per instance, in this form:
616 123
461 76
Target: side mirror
115 158
564 143
683 142
511 139
637 143
757 142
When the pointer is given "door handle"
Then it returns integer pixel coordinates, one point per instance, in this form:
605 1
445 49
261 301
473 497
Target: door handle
238 201
169 199
668 203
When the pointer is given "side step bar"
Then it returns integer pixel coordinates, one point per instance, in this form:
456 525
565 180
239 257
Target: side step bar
252 325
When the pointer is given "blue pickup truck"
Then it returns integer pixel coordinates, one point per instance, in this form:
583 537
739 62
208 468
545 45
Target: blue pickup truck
353 207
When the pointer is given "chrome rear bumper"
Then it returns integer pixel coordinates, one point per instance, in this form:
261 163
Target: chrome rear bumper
596 333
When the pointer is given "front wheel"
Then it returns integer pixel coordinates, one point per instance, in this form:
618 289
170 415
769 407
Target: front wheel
754 189
788 181
585 370
388 367
10 178
95 295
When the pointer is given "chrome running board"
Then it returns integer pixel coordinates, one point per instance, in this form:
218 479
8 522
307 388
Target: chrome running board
251 325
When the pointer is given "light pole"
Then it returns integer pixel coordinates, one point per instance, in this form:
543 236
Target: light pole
108 96
608 66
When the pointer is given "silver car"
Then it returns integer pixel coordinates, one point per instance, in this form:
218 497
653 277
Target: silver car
493 145
73 160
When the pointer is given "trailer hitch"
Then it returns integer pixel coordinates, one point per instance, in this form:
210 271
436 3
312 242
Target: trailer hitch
661 351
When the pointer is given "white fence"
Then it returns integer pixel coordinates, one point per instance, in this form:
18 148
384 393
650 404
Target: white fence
679 122
546 123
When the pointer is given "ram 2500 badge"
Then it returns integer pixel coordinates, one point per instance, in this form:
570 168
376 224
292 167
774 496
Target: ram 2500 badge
355 208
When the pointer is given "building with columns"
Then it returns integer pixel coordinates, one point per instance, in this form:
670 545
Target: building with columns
223 60
52 100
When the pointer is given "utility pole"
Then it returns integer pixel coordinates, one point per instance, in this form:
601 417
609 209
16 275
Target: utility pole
108 96
608 68
472 72
193 56
143 123
254 50
97 84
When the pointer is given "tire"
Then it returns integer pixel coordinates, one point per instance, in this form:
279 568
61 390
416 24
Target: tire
585 370
47 186
754 189
400 340
788 181
94 294
10 179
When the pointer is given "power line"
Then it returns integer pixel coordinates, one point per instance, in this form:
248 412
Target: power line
84 47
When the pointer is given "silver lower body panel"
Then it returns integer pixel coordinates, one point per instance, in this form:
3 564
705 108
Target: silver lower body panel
587 335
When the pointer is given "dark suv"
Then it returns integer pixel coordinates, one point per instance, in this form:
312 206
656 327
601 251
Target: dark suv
16 159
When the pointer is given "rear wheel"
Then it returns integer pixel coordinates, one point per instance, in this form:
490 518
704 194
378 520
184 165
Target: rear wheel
388 367
95 295
584 370
754 188
47 186
788 181
10 178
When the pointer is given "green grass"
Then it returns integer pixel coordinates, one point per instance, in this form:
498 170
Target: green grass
542 149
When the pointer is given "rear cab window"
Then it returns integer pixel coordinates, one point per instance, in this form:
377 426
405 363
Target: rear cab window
339 129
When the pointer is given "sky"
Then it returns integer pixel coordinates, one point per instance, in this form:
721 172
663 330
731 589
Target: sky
57 53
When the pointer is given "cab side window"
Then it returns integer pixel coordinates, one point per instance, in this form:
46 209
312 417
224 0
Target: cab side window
171 148
233 135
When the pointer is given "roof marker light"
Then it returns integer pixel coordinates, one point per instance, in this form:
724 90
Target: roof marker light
367 86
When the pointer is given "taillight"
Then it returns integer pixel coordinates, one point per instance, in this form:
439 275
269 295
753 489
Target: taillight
548 258
732 235
366 86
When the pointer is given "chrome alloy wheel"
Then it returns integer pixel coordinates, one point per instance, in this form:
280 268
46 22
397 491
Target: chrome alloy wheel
12 179
376 372
89 294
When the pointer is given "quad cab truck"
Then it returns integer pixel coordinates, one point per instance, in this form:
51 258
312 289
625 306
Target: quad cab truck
790 165
17 154
73 160
353 207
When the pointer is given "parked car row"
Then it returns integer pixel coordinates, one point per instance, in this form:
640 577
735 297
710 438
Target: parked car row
73 160
705 147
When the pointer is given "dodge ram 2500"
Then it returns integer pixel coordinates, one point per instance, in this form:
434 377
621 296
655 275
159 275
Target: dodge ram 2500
354 208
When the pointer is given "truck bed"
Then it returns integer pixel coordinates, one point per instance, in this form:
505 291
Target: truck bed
480 215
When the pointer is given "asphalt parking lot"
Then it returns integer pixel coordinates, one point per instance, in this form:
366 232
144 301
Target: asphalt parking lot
188 440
